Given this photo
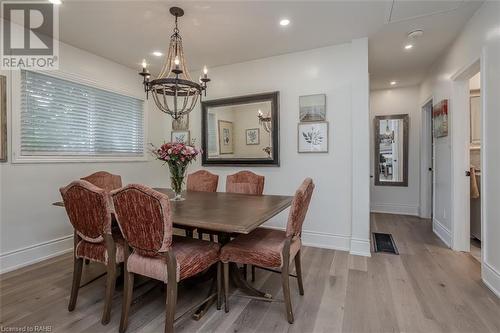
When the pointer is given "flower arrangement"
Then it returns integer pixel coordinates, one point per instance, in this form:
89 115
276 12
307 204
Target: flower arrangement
177 156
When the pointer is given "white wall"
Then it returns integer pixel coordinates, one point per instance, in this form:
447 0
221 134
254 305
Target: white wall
479 39
31 228
336 71
396 199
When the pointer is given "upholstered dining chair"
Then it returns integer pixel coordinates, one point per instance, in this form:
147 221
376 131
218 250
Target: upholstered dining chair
273 249
145 219
89 211
245 182
104 180
202 181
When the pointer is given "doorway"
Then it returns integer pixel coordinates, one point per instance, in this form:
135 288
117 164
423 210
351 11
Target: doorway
475 165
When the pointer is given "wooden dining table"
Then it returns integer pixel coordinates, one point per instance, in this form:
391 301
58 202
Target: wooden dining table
226 215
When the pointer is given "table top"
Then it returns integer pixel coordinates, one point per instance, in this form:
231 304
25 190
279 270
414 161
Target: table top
224 212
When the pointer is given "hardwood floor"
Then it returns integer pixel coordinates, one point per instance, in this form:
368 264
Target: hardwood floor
427 288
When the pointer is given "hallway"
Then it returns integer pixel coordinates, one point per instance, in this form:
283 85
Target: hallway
427 288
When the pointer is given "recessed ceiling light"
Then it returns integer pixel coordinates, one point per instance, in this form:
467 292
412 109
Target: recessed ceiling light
56 2
157 53
393 83
284 22
408 46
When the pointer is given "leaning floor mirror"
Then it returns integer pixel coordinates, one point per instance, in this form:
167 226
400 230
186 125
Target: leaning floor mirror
241 130
391 150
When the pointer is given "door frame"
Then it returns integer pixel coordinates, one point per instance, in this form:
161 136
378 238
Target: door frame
426 149
459 118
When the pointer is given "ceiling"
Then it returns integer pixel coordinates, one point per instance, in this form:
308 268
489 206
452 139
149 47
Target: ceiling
226 32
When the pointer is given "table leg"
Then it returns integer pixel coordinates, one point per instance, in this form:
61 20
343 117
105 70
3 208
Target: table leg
243 284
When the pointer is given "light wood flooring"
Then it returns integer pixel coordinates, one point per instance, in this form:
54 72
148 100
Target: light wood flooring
427 288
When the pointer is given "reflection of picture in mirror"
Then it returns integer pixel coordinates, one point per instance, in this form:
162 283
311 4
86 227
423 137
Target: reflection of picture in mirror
313 137
180 137
225 137
312 107
253 136
440 118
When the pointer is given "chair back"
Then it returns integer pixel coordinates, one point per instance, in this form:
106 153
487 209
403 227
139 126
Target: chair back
89 210
298 210
105 180
245 182
202 181
145 218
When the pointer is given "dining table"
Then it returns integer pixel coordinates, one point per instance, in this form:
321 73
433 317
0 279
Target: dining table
225 215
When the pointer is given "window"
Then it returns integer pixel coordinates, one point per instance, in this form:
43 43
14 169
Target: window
63 118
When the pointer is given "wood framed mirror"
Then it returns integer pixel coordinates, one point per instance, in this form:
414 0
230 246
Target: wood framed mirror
391 150
241 131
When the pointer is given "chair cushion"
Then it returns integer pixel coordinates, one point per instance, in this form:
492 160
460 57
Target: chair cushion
262 247
192 255
98 252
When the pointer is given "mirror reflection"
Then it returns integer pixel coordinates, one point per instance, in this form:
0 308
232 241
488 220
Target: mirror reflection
391 150
240 131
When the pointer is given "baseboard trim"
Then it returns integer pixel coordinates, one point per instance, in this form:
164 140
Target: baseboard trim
392 208
491 278
322 240
442 232
360 247
32 254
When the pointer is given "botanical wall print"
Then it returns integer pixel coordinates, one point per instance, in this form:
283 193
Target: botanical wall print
181 136
225 137
3 119
313 137
440 119
253 136
312 108
181 124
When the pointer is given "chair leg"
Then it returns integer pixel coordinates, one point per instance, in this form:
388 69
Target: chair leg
298 270
87 261
245 271
285 280
211 237
219 285
110 289
171 303
77 276
253 273
128 289
225 267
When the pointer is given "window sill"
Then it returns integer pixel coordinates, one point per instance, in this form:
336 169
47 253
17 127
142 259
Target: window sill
76 159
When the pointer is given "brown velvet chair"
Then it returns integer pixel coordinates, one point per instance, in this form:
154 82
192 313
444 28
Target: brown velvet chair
273 249
89 211
245 182
104 180
145 219
202 181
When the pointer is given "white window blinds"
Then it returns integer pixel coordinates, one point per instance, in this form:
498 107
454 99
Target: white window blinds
61 117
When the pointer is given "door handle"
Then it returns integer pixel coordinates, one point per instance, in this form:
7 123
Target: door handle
467 173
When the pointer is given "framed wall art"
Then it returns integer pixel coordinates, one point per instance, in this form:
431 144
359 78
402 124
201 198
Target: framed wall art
180 136
312 137
312 108
225 137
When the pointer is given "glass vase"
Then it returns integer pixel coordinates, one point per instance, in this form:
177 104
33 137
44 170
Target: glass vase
177 175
